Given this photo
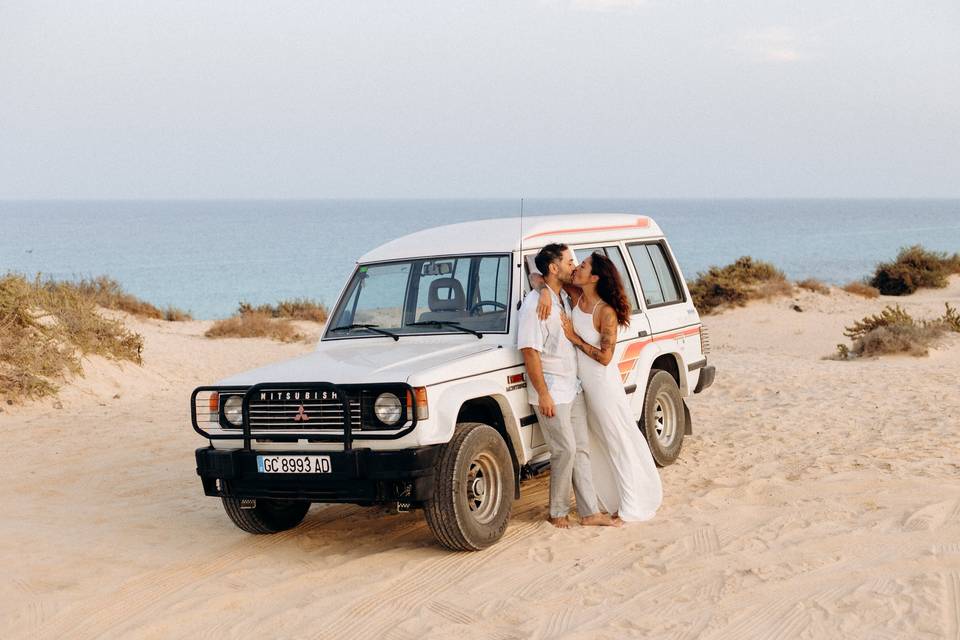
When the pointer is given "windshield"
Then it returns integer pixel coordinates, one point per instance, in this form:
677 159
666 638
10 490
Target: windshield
454 294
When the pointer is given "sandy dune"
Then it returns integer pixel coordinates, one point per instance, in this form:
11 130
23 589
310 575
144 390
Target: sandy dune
817 499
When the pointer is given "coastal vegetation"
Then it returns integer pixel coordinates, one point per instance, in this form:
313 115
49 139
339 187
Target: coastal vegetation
108 293
296 309
862 289
269 321
915 268
814 285
45 329
736 284
894 331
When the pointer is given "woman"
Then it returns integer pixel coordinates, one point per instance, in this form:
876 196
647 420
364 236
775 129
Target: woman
625 474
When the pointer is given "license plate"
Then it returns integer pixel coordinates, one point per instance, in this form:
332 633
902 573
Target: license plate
294 464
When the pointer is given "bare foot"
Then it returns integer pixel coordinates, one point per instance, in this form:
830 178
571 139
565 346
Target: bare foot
563 522
598 520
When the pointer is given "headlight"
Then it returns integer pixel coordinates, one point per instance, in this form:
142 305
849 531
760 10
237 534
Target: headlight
388 408
233 410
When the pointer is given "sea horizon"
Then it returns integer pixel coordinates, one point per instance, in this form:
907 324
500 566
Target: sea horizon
207 255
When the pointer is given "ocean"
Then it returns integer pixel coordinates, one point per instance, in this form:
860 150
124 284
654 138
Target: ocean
205 256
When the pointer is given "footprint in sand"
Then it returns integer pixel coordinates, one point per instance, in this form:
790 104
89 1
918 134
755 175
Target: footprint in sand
540 554
930 517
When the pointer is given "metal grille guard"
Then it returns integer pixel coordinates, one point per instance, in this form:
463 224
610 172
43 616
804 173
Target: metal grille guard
409 417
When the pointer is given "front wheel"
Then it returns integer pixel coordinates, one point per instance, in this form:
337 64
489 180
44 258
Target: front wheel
268 516
664 420
473 489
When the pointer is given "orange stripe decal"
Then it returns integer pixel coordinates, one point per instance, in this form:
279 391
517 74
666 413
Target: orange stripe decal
641 223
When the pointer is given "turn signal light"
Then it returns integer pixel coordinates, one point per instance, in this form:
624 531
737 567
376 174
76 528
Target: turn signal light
515 379
420 396
214 404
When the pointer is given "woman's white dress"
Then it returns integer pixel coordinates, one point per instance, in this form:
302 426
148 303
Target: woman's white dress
624 473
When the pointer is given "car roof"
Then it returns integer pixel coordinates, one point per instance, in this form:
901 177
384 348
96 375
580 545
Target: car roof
501 235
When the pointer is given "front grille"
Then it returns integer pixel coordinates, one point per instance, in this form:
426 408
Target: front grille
297 409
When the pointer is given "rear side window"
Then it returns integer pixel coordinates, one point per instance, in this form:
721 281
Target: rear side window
657 278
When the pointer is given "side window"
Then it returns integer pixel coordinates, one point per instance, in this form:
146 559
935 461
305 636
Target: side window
647 275
668 281
656 277
613 252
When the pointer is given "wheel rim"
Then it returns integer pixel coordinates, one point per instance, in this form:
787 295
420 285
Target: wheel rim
484 488
664 419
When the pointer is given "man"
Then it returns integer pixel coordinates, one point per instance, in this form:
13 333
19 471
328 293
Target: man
554 391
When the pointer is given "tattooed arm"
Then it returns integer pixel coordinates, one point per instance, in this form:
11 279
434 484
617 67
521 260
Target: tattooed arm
608 336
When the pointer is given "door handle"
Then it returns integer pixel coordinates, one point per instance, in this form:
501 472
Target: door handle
642 334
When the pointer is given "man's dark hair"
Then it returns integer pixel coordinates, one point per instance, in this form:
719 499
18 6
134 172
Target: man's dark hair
547 256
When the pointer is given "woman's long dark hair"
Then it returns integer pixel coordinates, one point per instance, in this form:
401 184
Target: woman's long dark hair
610 287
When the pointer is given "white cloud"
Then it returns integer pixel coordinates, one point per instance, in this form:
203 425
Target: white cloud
775 44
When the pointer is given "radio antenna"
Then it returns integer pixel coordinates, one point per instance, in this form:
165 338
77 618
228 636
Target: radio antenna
521 229
522 261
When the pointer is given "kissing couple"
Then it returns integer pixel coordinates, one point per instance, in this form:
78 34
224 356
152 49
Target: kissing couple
568 334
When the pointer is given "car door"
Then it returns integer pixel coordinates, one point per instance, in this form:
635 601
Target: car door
668 310
639 329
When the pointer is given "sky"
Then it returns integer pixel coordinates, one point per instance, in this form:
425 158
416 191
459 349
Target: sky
537 98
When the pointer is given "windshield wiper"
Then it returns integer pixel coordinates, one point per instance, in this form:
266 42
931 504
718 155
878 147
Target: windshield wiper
444 323
369 327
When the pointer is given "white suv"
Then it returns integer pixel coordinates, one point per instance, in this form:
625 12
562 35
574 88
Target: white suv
416 393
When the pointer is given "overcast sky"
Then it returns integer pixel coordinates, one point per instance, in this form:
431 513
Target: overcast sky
565 98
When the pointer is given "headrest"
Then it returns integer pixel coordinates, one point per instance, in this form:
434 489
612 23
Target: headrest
446 294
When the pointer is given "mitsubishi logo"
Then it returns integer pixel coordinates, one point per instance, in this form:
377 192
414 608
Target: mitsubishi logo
301 415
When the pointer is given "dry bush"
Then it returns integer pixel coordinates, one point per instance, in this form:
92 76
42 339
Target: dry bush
894 330
254 324
890 316
914 268
173 314
45 327
108 293
812 284
861 289
296 309
735 284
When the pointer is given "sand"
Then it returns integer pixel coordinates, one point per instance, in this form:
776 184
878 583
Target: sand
816 499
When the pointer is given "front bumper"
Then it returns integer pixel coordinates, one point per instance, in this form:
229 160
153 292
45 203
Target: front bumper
707 375
360 476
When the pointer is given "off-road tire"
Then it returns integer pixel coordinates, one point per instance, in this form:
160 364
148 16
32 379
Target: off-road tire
664 419
464 514
269 516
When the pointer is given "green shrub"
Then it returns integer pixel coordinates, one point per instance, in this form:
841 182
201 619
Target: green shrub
914 268
735 284
894 330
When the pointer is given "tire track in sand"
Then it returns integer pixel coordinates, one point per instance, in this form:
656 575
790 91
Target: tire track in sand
148 592
951 605
410 592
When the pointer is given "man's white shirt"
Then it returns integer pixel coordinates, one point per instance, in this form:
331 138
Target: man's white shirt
557 354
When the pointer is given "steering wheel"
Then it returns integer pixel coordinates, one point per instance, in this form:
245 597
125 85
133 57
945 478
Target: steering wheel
475 309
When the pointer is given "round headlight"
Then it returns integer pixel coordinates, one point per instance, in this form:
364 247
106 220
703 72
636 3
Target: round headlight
233 410
388 408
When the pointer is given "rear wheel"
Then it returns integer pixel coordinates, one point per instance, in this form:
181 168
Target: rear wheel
268 516
664 419
473 489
